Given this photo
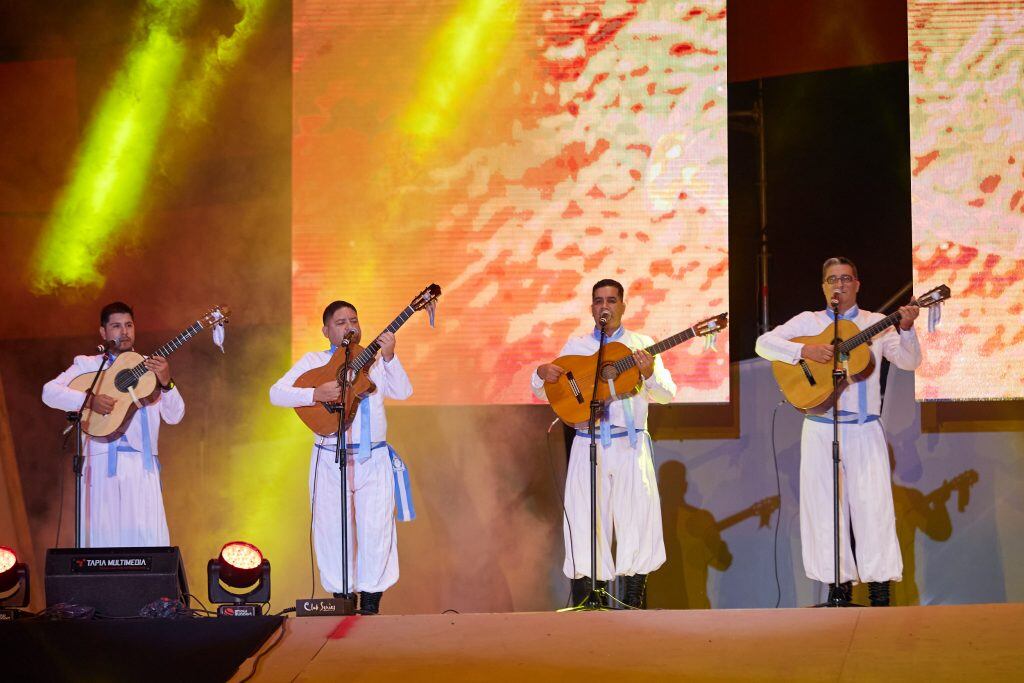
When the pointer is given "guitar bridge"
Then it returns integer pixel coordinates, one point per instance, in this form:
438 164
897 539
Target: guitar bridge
575 387
807 373
332 408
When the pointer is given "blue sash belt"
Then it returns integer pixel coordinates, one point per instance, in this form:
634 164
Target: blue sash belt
608 434
843 413
404 509
149 462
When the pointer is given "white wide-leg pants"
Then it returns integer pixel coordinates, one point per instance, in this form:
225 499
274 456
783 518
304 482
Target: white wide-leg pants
628 505
372 536
124 510
865 494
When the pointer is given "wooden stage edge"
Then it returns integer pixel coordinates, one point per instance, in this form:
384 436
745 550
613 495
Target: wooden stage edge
974 642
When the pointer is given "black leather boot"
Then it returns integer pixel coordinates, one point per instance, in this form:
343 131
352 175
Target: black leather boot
369 603
581 591
636 591
845 591
878 591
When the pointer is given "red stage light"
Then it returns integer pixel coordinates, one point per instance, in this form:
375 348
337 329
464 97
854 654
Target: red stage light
240 564
8 572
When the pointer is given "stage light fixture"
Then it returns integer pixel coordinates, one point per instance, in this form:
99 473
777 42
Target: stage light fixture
242 567
14 586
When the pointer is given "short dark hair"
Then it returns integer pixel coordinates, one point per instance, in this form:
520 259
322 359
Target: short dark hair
334 306
112 308
838 261
608 282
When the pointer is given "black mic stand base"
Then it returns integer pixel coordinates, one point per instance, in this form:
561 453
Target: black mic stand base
838 603
598 600
836 599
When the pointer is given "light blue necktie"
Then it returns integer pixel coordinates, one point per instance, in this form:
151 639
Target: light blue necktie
627 403
862 389
121 445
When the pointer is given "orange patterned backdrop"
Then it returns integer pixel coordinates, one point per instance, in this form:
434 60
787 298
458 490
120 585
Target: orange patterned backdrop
514 153
967 184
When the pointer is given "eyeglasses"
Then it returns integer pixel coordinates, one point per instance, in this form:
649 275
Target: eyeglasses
845 279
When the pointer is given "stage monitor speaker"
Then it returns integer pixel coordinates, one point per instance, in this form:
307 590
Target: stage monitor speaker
117 582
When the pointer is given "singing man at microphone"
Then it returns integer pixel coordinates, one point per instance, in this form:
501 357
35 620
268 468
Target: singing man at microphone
374 469
865 484
627 490
122 501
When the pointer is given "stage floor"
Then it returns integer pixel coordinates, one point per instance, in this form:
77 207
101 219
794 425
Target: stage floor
976 642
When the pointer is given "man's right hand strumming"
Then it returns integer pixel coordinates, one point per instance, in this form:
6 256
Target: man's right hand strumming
328 392
549 372
821 353
102 404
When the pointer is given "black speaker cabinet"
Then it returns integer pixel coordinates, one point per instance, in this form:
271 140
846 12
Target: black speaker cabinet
117 582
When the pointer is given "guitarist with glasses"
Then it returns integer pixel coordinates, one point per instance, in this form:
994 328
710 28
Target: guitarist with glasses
122 501
628 501
373 466
866 489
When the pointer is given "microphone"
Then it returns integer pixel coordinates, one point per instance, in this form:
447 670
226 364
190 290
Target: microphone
603 320
108 344
347 339
835 301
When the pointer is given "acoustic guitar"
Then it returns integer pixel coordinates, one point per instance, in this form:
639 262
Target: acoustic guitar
129 382
570 395
808 384
323 418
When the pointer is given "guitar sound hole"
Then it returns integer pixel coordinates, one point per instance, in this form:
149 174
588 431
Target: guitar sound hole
124 380
609 372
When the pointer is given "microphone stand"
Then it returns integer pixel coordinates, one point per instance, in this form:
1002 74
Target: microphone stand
596 599
835 594
341 458
78 462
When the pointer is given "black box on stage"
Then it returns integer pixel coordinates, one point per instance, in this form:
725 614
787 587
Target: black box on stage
117 582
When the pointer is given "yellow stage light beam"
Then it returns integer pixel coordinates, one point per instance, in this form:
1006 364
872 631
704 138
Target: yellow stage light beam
464 52
114 161
216 61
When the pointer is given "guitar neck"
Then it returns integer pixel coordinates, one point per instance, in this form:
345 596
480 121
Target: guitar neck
371 350
171 346
659 347
867 333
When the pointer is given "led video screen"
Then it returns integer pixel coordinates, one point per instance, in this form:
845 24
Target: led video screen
513 153
966 62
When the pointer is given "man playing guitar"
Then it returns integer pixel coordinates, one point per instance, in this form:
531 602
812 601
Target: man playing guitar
866 490
122 502
628 502
372 536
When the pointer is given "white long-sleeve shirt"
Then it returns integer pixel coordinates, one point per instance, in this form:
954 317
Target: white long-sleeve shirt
388 376
168 406
902 349
658 388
